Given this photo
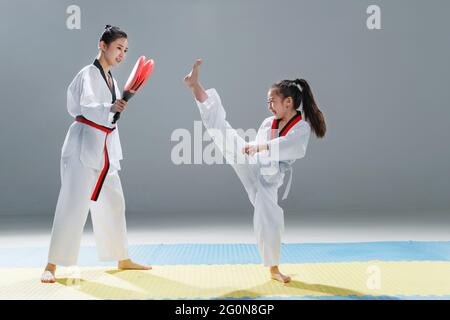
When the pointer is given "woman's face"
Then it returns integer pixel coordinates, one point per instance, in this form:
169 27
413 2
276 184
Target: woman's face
115 52
277 105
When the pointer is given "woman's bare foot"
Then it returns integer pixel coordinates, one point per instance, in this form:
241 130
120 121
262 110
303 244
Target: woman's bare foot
191 80
128 264
278 276
48 276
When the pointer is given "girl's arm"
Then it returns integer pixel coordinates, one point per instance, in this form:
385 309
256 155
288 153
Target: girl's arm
291 146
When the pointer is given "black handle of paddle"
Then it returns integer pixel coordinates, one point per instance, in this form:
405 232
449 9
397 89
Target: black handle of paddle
125 96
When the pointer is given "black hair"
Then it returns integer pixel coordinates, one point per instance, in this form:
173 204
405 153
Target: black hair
112 33
291 88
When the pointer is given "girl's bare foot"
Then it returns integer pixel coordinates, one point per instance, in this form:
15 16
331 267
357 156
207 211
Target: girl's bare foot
128 264
191 80
278 276
48 276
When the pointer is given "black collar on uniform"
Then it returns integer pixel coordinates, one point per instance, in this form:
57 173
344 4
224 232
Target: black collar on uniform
299 114
113 89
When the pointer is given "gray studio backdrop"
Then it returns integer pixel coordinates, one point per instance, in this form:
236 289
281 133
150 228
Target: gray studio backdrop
385 95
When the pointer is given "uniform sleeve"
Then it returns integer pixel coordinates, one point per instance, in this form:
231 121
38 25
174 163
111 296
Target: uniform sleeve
73 96
291 146
91 108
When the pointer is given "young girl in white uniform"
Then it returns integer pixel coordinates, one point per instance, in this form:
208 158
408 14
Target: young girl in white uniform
281 139
90 163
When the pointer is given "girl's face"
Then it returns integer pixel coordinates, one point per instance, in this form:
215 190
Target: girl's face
278 106
114 52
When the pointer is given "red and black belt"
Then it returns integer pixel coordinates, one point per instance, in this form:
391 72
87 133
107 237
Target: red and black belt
103 173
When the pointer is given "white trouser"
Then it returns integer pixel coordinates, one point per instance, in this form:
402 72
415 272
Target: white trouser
268 218
74 203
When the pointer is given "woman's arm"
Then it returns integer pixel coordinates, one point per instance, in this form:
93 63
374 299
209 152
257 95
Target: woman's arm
98 112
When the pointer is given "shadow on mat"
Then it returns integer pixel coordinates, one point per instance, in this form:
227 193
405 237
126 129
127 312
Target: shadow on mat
144 285
300 289
100 290
136 285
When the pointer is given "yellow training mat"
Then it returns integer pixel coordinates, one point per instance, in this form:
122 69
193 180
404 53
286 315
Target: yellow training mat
374 278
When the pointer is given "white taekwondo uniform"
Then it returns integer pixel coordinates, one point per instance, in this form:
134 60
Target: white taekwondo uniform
90 161
263 176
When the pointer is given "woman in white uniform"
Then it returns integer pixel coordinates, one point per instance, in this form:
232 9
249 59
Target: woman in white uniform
281 139
90 161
